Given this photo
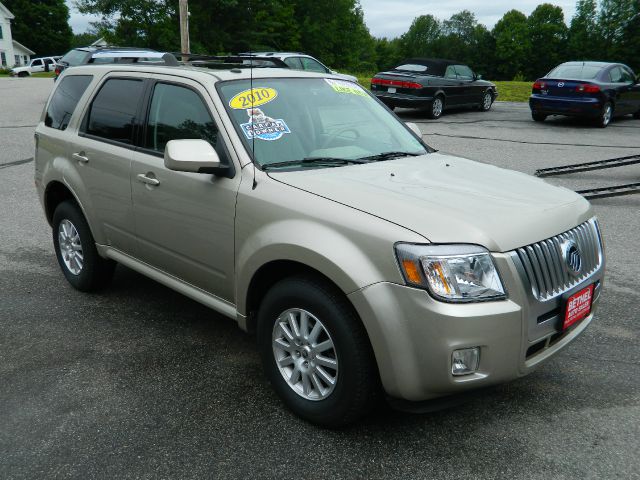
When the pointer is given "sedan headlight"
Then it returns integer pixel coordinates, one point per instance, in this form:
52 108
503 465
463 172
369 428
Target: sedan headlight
452 273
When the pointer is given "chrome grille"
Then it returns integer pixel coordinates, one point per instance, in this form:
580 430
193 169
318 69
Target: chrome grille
545 267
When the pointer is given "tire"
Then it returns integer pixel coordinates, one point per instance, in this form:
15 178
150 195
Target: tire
436 107
637 115
538 117
487 101
604 119
356 383
23 74
71 235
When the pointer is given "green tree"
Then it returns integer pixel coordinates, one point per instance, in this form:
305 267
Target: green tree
548 35
513 46
83 39
613 17
42 25
630 46
583 32
419 40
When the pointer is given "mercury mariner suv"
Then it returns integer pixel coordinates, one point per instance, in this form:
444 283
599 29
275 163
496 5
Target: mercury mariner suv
297 204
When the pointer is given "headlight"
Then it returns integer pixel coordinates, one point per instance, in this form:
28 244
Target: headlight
453 273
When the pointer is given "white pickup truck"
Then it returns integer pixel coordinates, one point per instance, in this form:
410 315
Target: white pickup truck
36 65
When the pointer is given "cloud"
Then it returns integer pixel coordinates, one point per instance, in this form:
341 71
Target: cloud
79 22
391 18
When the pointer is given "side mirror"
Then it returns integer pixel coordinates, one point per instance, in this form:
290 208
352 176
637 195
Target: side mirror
414 128
196 156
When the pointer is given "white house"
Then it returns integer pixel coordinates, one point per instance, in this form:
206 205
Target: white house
12 53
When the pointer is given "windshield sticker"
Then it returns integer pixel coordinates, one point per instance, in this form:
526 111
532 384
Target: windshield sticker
263 127
343 86
253 97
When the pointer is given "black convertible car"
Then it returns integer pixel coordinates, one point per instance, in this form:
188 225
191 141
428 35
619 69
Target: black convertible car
433 84
595 90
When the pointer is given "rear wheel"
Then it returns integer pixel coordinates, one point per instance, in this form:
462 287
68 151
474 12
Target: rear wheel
605 115
315 352
487 101
23 74
538 117
436 108
76 251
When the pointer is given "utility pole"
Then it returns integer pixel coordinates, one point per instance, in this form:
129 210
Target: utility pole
184 30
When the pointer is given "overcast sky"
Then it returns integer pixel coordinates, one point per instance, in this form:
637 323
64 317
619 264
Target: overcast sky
391 18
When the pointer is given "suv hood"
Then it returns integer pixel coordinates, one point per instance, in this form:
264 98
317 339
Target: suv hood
449 199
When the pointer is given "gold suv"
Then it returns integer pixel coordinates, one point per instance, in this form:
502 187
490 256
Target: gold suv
297 204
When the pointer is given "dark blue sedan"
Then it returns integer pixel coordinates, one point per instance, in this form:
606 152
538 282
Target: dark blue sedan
595 90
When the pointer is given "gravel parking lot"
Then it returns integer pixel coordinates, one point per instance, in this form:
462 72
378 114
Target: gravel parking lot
141 382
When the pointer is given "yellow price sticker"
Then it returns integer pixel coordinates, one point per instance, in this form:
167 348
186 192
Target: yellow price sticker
343 86
253 97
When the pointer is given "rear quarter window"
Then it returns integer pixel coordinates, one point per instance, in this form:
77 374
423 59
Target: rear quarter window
113 110
65 99
74 57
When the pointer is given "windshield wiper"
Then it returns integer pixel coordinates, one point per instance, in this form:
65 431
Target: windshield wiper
315 161
388 156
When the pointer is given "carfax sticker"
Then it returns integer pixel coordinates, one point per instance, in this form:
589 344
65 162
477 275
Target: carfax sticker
342 86
254 97
263 127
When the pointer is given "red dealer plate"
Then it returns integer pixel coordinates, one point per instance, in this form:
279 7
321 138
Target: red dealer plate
578 306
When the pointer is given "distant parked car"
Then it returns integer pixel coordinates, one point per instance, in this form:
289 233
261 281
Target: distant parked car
36 65
433 84
93 54
302 61
595 90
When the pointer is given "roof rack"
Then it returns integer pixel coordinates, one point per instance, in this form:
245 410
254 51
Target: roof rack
231 61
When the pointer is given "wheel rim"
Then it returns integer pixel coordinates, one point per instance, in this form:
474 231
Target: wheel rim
305 354
437 107
487 101
606 116
70 247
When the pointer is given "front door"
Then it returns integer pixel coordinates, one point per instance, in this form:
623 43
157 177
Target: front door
184 221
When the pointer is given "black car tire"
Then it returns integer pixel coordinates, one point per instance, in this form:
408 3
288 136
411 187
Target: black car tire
95 271
23 74
486 103
606 115
435 109
356 387
637 115
538 117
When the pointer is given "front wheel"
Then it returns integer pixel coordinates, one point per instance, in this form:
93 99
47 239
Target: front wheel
76 250
487 101
436 108
605 116
315 352
23 74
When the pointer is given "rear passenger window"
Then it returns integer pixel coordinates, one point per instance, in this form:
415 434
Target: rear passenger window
113 110
65 99
178 113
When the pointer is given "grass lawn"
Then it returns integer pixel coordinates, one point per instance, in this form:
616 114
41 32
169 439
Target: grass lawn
34 75
508 91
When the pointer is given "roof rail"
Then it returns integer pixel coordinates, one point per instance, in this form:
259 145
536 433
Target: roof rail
231 61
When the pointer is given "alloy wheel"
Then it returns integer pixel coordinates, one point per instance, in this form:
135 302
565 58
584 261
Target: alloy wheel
437 107
305 354
486 102
70 246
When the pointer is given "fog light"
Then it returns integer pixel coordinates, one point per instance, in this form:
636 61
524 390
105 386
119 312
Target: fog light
465 361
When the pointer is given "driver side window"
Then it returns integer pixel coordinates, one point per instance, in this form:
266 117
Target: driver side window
464 72
450 72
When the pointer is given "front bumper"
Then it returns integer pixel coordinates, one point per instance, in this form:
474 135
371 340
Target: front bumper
571 106
413 335
403 100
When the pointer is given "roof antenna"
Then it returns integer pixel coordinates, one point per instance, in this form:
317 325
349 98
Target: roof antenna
253 132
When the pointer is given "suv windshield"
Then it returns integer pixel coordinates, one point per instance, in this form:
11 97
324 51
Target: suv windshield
297 119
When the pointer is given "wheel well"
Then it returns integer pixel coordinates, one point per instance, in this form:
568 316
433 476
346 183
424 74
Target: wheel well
54 195
268 275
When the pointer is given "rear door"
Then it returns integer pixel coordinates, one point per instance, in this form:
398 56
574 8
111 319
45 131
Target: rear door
623 82
103 151
184 221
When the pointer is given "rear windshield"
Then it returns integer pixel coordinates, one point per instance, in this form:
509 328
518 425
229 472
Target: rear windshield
74 57
577 72
412 67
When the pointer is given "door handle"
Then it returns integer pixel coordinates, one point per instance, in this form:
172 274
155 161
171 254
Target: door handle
80 157
148 180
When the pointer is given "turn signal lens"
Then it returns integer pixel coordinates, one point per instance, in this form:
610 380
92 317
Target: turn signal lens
538 85
587 88
411 271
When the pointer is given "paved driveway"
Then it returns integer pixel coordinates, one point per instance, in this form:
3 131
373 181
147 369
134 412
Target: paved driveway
141 382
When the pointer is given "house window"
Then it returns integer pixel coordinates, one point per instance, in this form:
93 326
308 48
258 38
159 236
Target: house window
3 59
1 32
17 59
